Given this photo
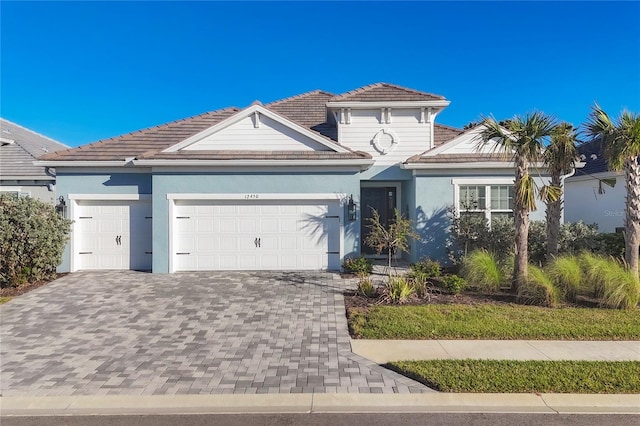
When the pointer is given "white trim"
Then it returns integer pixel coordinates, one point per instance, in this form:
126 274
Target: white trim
257 196
594 176
171 219
110 197
29 178
250 163
248 112
469 165
245 169
102 170
80 163
386 104
483 181
376 143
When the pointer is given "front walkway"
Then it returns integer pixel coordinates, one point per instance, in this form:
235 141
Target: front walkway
132 333
383 351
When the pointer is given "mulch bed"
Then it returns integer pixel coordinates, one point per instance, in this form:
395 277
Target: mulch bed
25 288
353 300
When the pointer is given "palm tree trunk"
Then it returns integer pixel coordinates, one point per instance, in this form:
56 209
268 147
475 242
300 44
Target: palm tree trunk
554 212
632 216
521 221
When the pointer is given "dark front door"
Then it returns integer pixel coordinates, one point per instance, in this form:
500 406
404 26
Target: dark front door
383 200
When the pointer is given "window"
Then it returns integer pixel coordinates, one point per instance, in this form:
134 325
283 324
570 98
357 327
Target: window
490 201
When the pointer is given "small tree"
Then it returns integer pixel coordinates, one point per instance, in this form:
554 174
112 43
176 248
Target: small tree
392 238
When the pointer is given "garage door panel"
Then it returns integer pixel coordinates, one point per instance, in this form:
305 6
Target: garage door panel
290 233
113 235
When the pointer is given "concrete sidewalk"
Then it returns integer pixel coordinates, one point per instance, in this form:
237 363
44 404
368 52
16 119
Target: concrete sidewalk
320 403
382 351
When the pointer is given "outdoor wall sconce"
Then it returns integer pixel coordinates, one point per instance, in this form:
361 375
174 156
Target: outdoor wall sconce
61 207
351 209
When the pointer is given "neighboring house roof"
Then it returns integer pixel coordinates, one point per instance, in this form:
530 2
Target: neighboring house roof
19 147
384 92
593 156
308 110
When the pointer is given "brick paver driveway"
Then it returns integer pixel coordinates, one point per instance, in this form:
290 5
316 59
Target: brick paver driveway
124 333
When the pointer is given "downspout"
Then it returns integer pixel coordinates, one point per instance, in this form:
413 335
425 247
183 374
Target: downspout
577 165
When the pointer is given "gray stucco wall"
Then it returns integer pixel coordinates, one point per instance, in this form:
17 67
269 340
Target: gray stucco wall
238 183
434 195
98 182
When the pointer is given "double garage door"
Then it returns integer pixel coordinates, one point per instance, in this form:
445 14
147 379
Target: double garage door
113 235
255 235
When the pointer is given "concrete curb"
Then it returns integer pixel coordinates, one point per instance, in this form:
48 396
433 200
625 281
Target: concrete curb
321 403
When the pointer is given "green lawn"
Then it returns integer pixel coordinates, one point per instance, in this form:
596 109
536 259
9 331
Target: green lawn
503 322
524 376
5 299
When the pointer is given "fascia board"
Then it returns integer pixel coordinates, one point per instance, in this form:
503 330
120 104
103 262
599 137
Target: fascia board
595 176
240 115
251 163
81 163
30 178
474 165
389 104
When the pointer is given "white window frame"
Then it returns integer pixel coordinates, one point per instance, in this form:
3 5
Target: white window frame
487 183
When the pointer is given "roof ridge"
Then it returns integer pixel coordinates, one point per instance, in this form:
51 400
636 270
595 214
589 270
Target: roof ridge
35 133
298 96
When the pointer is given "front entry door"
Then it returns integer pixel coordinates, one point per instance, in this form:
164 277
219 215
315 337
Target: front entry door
383 200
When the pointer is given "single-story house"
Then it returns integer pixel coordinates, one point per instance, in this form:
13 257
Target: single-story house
19 147
595 194
287 185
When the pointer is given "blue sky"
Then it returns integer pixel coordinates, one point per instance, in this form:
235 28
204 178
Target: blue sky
83 71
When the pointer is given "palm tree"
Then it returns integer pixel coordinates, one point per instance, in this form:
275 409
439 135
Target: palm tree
621 142
559 157
522 139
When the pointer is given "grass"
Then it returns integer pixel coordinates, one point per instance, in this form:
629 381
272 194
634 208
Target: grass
482 271
5 299
491 376
501 322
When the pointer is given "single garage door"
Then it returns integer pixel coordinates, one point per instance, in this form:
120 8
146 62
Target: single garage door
256 235
113 235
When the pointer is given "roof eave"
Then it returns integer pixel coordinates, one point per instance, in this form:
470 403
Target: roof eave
387 104
82 163
262 163
464 165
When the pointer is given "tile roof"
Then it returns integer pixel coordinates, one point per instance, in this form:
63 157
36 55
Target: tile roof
442 134
307 109
16 159
458 158
155 138
385 92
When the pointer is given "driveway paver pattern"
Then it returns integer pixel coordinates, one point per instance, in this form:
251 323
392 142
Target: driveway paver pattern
134 333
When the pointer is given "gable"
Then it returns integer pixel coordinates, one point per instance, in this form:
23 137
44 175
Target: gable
256 133
257 129
466 143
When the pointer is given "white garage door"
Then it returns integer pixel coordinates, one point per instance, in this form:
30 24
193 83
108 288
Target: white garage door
113 235
252 235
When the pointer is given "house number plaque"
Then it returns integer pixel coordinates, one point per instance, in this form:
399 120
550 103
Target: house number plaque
251 196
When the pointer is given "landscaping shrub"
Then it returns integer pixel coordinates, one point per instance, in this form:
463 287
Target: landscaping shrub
538 289
32 238
366 287
621 288
358 265
420 287
453 284
482 271
398 289
426 267
610 245
566 274
596 272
